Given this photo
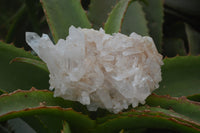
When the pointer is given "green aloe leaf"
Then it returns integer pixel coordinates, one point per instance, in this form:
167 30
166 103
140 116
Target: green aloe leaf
19 75
95 9
180 76
134 20
61 14
180 105
40 123
34 98
114 21
154 15
155 118
42 103
77 121
193 39
34 62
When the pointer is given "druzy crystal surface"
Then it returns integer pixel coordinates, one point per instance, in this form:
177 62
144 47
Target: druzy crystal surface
100 70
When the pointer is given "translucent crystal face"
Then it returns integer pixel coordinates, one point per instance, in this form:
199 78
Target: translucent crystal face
100 70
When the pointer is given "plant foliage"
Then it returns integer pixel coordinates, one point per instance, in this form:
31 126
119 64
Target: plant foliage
173 25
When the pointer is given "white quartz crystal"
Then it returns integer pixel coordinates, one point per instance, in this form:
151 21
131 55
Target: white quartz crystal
98 69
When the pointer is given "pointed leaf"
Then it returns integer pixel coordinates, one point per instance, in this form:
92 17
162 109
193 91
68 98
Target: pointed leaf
181 105
42 103
154 15
77 121
19 75
34 98
61 14
97 14
114 21
148 118
193 39
180 76
34 62
134 20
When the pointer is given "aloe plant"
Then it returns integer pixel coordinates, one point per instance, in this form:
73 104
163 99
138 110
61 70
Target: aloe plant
173 107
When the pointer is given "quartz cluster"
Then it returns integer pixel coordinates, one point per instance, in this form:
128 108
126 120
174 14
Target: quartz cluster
100 70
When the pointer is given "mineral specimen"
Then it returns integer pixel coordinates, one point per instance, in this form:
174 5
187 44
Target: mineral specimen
98 69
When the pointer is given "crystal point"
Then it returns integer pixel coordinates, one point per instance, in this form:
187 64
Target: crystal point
33 40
